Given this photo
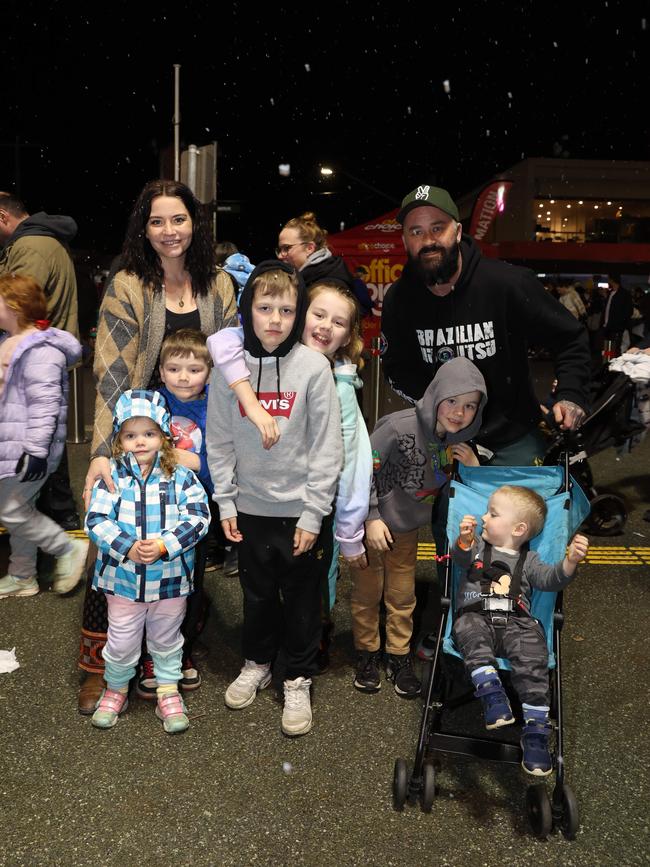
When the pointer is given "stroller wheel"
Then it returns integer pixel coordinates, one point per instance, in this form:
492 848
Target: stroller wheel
538 809
400 783
608 515
428 787
570 821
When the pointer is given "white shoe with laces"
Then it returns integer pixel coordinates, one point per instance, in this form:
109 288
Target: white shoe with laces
296 716
243 690
10 585
71 567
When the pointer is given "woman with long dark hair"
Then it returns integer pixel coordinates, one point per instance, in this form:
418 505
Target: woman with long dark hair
169 279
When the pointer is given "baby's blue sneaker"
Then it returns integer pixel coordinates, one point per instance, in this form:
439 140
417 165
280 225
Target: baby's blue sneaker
535 737
12 586
496 707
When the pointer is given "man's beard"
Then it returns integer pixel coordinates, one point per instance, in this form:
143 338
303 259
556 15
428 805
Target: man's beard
447 266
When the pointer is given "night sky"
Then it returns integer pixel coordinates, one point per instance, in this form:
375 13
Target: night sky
395 94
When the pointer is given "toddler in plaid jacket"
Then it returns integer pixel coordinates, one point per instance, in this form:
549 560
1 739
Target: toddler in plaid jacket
145 530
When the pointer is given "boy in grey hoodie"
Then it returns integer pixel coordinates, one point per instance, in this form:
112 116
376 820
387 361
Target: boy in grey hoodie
275 503
413 453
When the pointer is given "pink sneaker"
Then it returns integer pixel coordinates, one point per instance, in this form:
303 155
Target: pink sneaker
173 713
110 705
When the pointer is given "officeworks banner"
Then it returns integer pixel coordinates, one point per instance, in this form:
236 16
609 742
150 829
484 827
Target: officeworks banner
376 248
489 202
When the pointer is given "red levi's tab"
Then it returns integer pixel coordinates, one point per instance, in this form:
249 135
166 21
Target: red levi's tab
275 404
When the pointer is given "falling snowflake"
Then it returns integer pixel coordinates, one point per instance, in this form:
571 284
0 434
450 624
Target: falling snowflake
307 67
446 86
272 101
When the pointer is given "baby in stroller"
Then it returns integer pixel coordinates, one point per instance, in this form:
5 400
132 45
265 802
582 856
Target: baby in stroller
493 616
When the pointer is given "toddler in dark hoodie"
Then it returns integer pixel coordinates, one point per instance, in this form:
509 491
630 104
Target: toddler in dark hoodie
413 452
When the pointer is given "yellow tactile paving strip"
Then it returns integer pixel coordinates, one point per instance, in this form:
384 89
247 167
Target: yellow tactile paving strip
600 555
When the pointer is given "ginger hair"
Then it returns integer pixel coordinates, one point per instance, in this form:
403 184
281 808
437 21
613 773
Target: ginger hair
23 295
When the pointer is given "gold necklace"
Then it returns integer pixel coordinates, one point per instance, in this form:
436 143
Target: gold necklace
180 301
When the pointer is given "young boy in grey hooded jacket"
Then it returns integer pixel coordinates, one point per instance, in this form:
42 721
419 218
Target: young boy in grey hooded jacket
413 453
277 505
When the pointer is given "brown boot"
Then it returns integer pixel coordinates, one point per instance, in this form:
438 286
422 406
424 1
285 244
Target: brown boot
89 693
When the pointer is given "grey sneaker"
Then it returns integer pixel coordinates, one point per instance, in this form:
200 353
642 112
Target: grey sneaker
12 586
70 567
243 690
296 716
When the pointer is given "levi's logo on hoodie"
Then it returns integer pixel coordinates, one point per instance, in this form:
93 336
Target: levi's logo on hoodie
275 404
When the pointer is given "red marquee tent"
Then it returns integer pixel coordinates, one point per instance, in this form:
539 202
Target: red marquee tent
376 247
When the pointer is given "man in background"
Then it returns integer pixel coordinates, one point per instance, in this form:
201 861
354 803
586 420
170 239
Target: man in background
619 307
38 245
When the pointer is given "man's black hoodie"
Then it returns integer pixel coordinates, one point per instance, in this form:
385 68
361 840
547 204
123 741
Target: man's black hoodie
495 312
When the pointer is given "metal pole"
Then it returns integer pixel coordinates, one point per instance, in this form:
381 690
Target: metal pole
375 380
177 123
17 163
192 157
214 204
76 426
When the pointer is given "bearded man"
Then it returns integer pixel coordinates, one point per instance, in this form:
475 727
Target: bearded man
450 301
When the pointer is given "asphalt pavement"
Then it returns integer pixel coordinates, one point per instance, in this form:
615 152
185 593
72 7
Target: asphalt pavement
234 791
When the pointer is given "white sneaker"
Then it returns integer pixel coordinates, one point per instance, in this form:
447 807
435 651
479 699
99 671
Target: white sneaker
296 716
12 586
243 690
70 567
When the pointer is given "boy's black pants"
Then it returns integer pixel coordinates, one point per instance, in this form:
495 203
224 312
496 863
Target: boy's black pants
281 593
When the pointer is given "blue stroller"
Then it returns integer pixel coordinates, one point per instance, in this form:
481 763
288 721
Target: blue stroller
567 508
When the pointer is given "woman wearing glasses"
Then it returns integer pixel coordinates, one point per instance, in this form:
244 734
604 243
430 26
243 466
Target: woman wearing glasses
303 244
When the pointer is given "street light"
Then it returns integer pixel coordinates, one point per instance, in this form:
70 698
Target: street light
328 172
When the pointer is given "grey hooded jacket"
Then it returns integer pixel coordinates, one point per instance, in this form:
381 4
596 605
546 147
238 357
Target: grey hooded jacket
410 462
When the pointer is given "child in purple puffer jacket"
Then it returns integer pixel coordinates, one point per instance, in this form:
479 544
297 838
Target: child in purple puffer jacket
34 359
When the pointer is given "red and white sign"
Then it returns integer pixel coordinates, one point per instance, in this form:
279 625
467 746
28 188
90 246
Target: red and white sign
275 404
376 247
490 202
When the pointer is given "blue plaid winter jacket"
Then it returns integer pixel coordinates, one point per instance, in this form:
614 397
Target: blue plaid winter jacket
175 510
